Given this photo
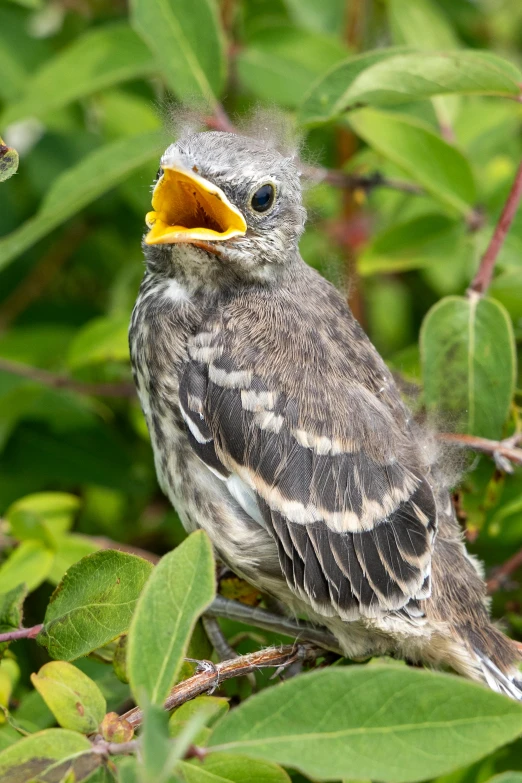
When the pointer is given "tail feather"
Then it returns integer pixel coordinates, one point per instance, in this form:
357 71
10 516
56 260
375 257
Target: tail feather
509 685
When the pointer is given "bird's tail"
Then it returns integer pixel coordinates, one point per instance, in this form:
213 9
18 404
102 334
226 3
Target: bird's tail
508 684
475 647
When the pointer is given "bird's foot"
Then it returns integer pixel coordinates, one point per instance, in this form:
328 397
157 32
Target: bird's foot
207 666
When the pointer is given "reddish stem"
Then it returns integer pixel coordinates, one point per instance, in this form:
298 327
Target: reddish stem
482 279
500 575
21 633
484 445
57 381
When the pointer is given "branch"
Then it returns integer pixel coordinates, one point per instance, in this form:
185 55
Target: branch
220 121
366 182
482 279
57 381
501 574
21 633
212 675
504 452
104 748
252 615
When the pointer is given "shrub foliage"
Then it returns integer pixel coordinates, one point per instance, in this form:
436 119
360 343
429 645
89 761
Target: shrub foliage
408 114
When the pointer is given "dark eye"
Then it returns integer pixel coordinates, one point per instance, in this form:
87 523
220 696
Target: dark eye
263 198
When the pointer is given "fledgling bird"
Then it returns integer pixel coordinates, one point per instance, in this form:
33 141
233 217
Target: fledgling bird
278 429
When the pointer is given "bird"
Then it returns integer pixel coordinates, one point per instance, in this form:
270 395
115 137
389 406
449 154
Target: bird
278 429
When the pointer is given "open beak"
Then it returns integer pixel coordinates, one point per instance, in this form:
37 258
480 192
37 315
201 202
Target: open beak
188 208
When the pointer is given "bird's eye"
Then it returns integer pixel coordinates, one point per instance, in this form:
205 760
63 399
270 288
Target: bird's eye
159 173
263 198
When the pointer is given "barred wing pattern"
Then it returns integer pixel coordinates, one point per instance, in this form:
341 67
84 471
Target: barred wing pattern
354 534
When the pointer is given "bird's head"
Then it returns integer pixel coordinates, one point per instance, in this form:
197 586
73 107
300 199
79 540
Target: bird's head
224 205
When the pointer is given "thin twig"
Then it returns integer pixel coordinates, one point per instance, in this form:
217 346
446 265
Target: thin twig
104 748
366 182
504 449
58 381
500 575
213 674
482 279
220 121
21 633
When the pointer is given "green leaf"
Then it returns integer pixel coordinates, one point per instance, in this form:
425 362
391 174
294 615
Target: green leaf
422 24
186 37
74 699
32 713
8 161
13 71
96 60
507 777
412 244
11 611
93 603
42 516
208 708
280 62
402 78
320 103
29 563
9 677
436 165
350 722
128 771
32 758
102 340
506 288
227 768
468 362
86 181
214 706
180 588
68 549
156 746
326 16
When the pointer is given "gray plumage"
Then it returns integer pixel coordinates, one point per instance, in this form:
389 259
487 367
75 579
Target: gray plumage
278 429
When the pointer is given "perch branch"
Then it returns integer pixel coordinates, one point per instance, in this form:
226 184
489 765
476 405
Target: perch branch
58 381
482 279
503 449
211 675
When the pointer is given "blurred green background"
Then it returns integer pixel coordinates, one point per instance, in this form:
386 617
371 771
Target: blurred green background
85 91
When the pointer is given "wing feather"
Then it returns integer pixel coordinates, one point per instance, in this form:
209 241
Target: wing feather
353 522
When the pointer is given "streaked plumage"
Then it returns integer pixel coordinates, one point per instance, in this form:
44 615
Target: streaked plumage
277 427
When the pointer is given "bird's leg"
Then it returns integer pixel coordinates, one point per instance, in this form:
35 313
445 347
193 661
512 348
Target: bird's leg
217 639
207 666
253 615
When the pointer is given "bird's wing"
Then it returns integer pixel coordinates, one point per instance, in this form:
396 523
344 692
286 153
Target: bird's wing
354 524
